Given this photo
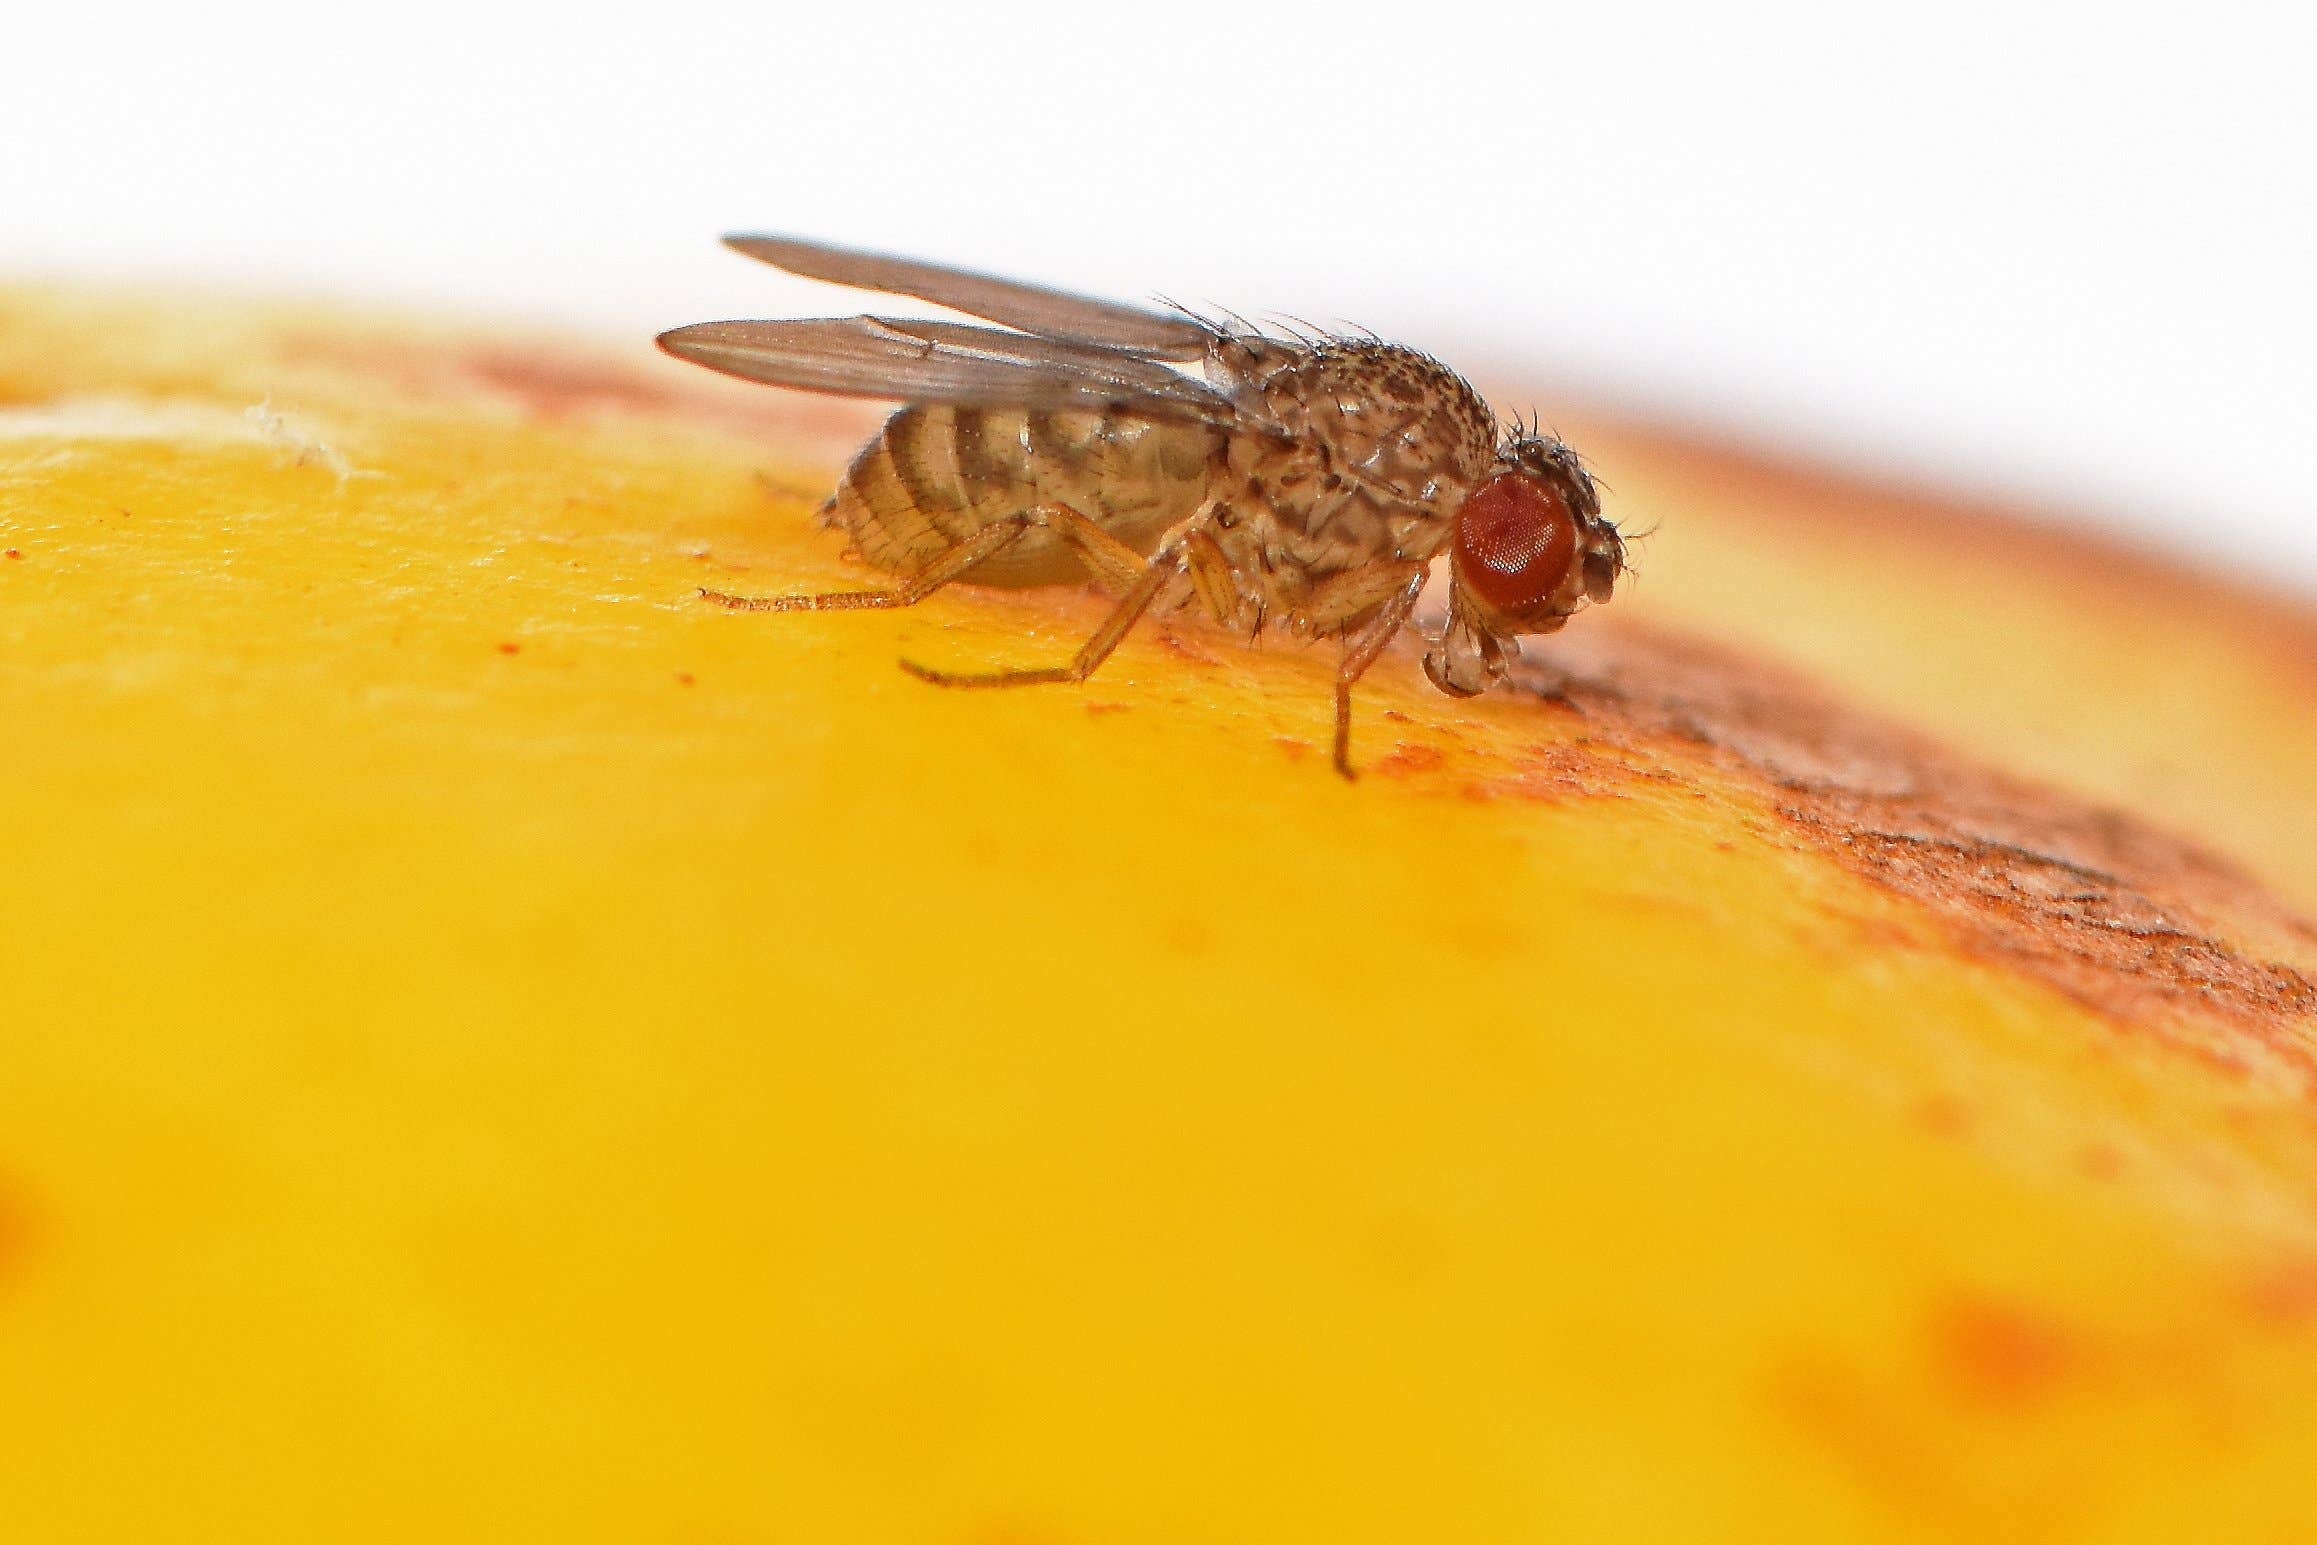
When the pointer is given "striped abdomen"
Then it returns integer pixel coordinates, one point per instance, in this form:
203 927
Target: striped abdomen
936 475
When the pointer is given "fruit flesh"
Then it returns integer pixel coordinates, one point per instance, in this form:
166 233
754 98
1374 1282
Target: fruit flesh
498 1049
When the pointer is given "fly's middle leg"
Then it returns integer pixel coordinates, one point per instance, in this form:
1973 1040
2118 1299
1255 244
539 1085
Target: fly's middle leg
1112 561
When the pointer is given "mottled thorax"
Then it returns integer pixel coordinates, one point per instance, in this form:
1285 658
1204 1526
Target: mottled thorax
1377 447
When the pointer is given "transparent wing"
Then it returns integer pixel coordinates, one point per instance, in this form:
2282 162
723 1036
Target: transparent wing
913 361
1030 307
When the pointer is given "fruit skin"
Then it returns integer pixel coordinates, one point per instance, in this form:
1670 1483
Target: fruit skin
499 1050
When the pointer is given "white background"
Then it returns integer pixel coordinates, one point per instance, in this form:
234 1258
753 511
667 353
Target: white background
2069 252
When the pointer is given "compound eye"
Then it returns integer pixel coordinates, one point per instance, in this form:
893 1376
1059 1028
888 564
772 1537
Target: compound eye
1515 543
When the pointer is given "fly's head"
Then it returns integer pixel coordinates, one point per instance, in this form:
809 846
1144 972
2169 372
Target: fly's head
1531 550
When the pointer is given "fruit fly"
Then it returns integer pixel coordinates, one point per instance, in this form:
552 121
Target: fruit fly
1293 483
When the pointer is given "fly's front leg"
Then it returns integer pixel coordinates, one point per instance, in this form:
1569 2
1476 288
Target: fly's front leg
1361 647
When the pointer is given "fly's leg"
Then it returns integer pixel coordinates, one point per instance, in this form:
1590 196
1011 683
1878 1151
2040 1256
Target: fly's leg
1212 580
1112 561
982 546
1341 602
1115 564
1361 647
1157 577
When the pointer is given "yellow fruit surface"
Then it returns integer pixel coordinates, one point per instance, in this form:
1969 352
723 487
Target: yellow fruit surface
493 1048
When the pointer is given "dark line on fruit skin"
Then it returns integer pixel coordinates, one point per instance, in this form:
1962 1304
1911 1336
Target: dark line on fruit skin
2104 908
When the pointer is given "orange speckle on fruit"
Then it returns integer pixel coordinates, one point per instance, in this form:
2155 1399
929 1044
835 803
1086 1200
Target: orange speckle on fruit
1410 757
2284 1297
2002 1356
1943 1115
15 1231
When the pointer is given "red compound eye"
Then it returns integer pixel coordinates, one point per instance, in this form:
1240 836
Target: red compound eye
1515 542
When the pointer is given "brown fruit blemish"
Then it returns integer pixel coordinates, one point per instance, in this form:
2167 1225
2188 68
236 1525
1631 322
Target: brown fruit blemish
1556 774
1183 649
2143 928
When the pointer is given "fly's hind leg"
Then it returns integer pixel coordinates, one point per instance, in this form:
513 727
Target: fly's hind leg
1157 578
1115 564
982 546
1111 560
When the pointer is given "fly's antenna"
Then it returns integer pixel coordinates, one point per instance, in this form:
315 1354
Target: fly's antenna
1629 546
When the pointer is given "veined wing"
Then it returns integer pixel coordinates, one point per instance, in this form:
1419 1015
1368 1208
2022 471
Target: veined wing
914 361
1032 308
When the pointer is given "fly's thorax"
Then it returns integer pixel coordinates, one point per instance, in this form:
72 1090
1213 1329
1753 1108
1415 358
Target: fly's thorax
936 475
1376 446
1393 419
